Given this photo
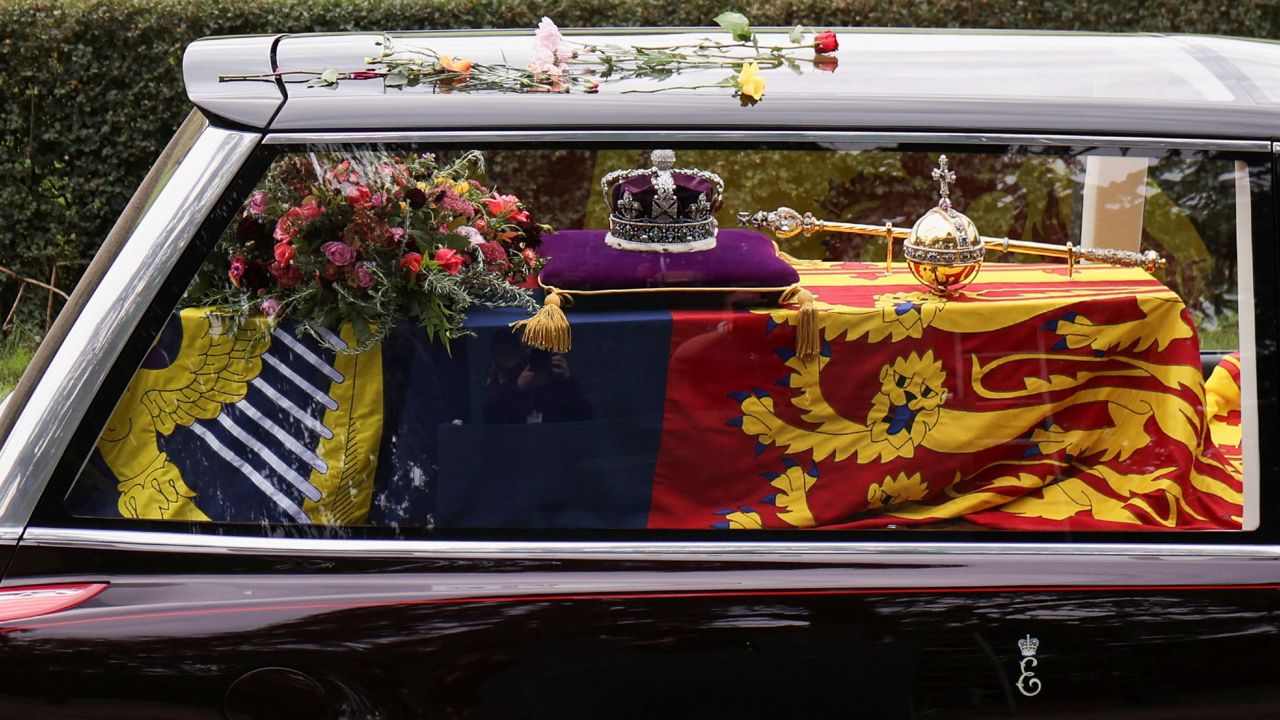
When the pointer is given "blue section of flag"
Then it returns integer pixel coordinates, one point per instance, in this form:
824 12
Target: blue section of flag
485 434
253 462
578 451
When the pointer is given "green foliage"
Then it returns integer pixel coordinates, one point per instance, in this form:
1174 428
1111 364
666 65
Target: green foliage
90 90
16 350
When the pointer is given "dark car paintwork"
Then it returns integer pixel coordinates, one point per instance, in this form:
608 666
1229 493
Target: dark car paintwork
543 639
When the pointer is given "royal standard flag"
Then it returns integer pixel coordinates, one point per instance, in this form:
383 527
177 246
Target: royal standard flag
1031 402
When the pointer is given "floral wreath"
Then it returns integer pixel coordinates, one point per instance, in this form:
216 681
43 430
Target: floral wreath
373 240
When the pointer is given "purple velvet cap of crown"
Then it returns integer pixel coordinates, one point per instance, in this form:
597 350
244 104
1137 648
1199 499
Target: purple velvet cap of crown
579 260
688 189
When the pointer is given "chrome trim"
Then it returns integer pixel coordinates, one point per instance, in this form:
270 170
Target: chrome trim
742 551
42 430
871 138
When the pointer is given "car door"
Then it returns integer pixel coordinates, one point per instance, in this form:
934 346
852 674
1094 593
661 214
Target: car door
234 617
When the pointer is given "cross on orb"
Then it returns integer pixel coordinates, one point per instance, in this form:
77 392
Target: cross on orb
944 177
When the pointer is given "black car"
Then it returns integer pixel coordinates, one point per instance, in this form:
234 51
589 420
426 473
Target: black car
379 403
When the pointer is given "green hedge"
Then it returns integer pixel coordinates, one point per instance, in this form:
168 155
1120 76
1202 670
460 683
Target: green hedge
91 91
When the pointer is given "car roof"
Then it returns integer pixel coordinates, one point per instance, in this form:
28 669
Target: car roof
885 80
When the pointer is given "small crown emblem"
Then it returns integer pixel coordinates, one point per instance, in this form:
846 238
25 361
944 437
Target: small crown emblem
662 208
1028 645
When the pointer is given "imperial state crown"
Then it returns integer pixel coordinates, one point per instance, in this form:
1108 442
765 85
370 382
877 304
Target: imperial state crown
662 209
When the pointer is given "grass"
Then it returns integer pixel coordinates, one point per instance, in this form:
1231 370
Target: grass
16 349
1224 334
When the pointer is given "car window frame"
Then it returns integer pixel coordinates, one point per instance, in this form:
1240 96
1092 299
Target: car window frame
54 521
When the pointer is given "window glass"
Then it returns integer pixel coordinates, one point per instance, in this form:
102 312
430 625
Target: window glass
483 338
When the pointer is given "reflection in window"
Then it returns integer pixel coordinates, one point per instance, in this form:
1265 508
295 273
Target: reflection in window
1031 400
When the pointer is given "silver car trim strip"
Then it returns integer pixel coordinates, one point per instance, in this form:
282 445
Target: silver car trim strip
335 138
41 433
742 551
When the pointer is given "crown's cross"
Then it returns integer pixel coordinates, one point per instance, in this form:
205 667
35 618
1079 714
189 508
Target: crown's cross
944 177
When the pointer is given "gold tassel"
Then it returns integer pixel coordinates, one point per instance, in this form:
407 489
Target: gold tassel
808 339
547 329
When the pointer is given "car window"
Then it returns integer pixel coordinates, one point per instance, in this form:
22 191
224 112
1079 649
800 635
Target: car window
465 338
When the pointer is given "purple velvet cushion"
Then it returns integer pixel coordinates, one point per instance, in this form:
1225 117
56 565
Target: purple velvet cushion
580 260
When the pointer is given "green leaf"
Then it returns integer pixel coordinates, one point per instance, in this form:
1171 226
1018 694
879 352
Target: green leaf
797 35
329 76
361 328
735 24
395 78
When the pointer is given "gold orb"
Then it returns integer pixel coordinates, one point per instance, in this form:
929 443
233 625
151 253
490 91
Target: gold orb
944 250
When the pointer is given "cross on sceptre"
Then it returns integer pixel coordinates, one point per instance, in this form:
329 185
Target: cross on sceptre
944 177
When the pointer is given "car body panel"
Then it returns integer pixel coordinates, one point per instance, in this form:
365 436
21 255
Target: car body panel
1142 85
876 638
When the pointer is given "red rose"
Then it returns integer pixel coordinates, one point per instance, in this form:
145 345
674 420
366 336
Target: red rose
296 219
285 253
449 259
286 227
825 42
310 208
530 256
286 277
411 262
358 196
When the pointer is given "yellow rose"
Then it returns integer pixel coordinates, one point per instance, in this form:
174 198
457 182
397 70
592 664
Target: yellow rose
749 81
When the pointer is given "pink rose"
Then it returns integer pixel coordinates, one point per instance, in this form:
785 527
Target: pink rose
472 235
449 259
339 253
364 278
257 202
395 236
270 307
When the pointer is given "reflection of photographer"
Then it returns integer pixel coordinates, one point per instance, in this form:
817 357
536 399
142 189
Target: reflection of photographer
530 386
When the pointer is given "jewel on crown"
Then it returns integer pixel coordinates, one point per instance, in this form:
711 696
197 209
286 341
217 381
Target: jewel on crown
662 208
1028 645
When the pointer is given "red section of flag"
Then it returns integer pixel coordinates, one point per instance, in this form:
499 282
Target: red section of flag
1032 402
